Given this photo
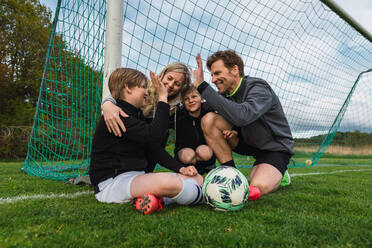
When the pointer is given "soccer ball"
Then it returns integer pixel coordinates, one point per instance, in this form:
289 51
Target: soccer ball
225 188
308 162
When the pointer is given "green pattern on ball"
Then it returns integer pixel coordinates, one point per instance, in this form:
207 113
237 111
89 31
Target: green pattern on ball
225 186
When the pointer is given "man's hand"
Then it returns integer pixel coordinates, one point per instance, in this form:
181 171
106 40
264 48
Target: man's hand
160 88
111 115
229 134
198 73
188 171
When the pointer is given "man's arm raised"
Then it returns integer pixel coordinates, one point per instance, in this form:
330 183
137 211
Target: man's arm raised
198 73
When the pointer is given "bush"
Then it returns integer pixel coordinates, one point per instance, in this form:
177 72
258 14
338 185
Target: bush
14 141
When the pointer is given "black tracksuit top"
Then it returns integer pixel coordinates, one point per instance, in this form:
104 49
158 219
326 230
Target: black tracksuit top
112 155
188 129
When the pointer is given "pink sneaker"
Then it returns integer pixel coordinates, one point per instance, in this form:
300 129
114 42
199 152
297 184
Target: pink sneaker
148 203
254 193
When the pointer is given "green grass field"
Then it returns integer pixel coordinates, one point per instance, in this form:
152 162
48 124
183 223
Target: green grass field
330 209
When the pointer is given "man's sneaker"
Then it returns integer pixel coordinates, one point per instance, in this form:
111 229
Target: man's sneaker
254 193
148 203
286 180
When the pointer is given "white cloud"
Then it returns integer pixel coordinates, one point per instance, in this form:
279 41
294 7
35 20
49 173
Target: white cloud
360 10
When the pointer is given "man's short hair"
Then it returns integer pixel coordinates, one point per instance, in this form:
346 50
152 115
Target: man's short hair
122 77
229 57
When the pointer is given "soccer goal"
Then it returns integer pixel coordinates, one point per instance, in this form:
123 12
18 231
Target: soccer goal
316 58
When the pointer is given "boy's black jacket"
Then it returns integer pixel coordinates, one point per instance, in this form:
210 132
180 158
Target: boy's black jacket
188 129
112 155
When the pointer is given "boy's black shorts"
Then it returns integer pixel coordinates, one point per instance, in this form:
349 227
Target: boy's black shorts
279 160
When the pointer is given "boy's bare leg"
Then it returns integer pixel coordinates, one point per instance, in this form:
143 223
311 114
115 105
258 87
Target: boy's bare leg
160 184
198 178
187 156
203 153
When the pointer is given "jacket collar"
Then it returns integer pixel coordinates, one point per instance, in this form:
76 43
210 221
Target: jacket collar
238 93
128 107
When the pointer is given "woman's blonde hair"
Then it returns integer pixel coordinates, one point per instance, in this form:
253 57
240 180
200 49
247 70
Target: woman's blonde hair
122 77
178 67
149 107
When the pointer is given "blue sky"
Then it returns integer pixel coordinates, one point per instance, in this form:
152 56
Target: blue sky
360 10
327 75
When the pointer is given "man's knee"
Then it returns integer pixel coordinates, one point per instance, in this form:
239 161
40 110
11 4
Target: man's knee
266 177
212 122
208 121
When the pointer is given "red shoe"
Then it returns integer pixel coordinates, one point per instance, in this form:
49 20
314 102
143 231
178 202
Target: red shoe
254 193
148 203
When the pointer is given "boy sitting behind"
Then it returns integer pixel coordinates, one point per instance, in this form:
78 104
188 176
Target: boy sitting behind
191 147
119 165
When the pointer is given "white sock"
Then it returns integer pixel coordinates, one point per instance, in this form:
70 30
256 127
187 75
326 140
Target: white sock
191 193
167 201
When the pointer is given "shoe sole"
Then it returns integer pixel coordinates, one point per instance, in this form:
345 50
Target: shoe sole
144 204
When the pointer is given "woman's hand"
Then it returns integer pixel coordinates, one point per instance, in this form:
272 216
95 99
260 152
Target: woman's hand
159 87
111 115
188 171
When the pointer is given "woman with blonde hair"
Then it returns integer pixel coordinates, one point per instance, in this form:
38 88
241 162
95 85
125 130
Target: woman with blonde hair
174 76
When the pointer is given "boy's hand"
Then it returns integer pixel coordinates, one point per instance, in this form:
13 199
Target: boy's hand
188 171
112 119
159 87
198 73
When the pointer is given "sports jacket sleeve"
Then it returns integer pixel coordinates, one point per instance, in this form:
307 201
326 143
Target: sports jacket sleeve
256 103
143 132
157 154
108 97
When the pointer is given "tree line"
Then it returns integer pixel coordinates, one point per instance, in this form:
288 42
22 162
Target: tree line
24 33
350 139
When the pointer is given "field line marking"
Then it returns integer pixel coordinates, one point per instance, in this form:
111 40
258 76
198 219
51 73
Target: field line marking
73 195
43 196
325 173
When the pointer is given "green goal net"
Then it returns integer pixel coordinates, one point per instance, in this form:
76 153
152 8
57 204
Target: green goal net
317 63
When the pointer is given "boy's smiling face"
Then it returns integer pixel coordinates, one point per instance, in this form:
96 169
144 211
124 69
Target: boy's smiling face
192 102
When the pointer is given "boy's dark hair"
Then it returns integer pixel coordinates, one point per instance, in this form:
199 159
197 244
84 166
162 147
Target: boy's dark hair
187 89
229 57
122 77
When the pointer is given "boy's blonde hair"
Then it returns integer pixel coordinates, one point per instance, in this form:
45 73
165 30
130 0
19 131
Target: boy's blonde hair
186 90
122 77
